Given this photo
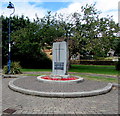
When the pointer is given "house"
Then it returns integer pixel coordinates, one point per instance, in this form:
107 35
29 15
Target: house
110 53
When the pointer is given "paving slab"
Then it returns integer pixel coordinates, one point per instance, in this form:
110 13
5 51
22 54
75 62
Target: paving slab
30 85
102 104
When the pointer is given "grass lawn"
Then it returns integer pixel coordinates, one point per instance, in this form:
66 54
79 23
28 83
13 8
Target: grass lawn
99 78
98 69
36 70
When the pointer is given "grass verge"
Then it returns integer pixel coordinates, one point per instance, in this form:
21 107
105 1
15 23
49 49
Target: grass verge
36 70
99 78
97 69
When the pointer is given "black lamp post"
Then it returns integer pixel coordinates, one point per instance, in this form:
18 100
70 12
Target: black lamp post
10 6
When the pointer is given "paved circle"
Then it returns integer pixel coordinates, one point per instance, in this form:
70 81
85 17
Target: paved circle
27 104
30 85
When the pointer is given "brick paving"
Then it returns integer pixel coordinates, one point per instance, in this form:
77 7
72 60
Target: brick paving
32 83
27 104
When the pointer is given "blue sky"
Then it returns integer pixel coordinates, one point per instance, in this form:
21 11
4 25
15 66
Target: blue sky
52 6
31 7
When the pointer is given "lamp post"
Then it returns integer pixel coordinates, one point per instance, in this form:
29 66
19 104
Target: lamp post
10 6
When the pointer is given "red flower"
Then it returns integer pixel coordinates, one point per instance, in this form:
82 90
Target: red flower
62 79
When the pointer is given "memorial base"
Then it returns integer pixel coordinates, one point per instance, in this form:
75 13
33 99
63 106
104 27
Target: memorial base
59 76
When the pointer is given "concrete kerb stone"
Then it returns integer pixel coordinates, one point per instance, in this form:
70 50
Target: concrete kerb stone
116 85
9 76
60 94
90 93
12 76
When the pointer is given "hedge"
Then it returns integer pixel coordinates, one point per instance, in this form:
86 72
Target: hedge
94 62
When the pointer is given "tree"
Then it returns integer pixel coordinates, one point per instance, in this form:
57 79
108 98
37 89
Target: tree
49 29
94 34
86 32
117 51
16 24
27 48
1 42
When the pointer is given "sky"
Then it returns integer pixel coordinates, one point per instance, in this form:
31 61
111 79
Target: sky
40 7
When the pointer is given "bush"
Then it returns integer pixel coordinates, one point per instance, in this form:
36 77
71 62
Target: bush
94 62
5 69
118 65
15 68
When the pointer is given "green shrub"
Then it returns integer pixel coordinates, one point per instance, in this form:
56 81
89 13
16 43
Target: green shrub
118 65
94 62
98 58
5 69
15 68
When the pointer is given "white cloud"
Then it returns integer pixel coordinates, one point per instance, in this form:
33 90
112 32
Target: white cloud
107 7
30 10
107 4
24 8
42 0
21 1
74 7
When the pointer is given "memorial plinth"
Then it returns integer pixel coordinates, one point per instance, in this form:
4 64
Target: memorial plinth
60 65
60 58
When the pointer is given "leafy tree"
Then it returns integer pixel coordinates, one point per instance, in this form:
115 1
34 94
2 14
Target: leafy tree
117 51
16 24
0 42
94 34
86 33
49 29
27 48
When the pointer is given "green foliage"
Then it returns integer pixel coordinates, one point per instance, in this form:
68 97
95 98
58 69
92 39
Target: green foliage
49 29
117 46
16 24
87 32
118 65
28 45
98 58
5 69
92 33
117 51
15 68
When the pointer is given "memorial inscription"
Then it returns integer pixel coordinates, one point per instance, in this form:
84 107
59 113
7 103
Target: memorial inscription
59 65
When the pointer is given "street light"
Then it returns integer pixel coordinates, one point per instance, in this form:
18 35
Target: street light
10 6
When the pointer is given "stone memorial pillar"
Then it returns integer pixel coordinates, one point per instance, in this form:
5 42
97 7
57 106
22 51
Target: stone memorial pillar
60 58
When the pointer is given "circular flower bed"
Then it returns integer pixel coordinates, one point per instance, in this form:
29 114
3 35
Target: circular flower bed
59 79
